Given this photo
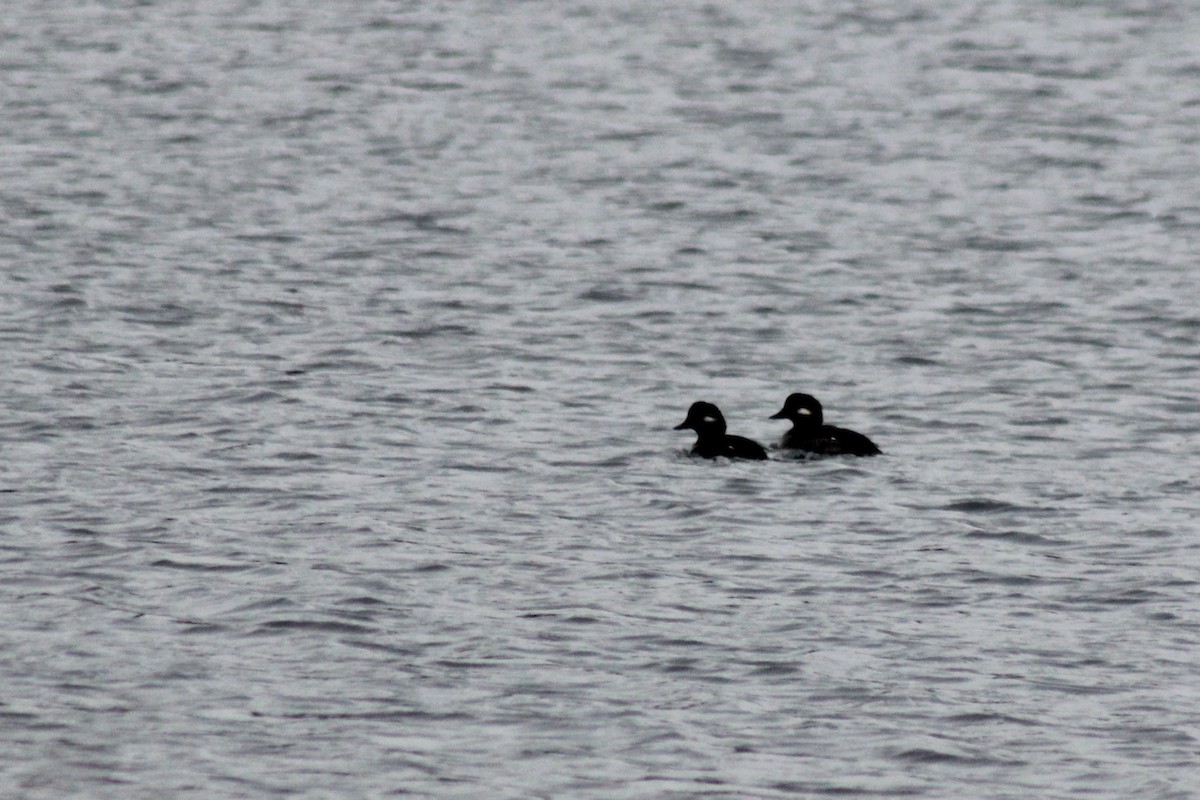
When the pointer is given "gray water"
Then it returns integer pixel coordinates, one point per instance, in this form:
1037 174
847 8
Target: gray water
342 344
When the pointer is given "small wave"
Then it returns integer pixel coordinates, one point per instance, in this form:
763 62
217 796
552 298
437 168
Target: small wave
978 717
982 505
197 566
812 789
328 626
924 755
1020 537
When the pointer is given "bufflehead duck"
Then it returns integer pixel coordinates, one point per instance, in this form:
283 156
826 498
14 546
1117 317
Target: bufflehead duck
712 441
809 433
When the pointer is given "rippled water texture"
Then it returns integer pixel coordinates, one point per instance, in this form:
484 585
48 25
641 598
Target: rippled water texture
342 344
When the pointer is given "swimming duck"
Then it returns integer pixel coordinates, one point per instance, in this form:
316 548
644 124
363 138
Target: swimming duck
810 434
712 441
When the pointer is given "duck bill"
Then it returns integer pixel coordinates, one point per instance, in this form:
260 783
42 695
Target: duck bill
778 415
682 426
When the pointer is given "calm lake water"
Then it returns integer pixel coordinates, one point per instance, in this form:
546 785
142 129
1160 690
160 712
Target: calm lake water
343 344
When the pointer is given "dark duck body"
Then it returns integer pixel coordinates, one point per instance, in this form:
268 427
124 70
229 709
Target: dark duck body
712 441
810 434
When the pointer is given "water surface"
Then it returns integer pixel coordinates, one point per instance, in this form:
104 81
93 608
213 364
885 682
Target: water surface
343 345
